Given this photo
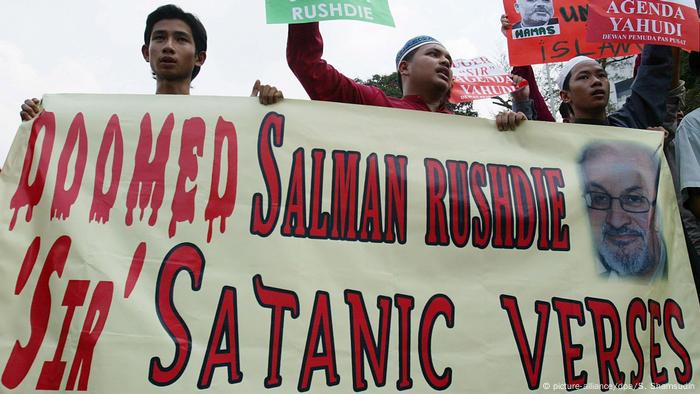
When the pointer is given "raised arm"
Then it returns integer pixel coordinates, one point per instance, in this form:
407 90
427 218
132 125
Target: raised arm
533 105
646 107
321 80
539 106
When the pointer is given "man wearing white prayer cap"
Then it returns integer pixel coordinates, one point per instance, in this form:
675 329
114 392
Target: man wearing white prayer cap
585 87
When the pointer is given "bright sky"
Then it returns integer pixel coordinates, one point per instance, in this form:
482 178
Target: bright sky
94 46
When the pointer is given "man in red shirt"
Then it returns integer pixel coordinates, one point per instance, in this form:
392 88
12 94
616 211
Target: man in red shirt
423 64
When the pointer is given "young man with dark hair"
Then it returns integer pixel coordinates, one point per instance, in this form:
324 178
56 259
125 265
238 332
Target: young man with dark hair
585 87
585 90
175 46
423 64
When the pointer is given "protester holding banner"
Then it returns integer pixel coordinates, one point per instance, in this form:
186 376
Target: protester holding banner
175 46
423 64
585 86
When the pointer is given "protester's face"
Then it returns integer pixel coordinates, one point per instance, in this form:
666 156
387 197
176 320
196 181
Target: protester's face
171 50
535 12
431 68
625 240
589 89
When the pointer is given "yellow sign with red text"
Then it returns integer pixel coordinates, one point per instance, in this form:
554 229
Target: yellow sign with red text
212 243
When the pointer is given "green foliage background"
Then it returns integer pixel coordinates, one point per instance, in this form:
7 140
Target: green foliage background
389 84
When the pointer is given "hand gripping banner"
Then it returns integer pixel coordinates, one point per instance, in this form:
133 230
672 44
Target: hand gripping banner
214 244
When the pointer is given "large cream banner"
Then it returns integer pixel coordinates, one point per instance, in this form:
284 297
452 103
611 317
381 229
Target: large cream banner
213 244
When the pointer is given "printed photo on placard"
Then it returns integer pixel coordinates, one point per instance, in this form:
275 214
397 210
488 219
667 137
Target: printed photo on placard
537 19
620 183
554 31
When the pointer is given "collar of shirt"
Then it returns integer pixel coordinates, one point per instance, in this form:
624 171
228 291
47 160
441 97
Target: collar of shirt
419 103
595 122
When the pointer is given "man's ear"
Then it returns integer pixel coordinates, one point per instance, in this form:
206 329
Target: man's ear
403 68
564 96
144 52
200 58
